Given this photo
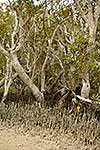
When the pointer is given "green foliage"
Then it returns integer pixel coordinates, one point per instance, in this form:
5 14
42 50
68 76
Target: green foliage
6 20
38 25
96 97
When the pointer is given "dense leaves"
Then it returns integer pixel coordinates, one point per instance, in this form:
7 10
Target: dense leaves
56 32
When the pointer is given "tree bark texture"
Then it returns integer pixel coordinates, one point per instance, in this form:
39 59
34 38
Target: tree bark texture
22 74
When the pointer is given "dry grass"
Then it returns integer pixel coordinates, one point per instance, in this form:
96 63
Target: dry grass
82 127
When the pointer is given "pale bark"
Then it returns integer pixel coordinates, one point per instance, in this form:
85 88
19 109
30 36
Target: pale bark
8 78
99 89
2 82
91 19
87 100
47 57
43 74
85 87
22 74
12 57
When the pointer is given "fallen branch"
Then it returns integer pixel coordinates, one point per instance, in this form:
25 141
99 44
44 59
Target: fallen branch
83 99
86 100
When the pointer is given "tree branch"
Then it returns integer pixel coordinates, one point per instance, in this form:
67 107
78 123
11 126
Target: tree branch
3 51
81 10
43 73
46 60
97 12
86 100
2 81
15 30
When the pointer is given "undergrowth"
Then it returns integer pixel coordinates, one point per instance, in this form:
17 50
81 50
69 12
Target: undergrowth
83 126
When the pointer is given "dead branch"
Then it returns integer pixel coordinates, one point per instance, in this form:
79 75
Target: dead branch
84 99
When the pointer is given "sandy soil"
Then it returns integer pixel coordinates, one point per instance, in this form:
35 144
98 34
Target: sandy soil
12 140
9 140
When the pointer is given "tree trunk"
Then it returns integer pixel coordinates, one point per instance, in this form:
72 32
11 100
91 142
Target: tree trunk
22 74
85 87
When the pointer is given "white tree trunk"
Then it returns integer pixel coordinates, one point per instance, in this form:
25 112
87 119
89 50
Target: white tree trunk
22 74
85 87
